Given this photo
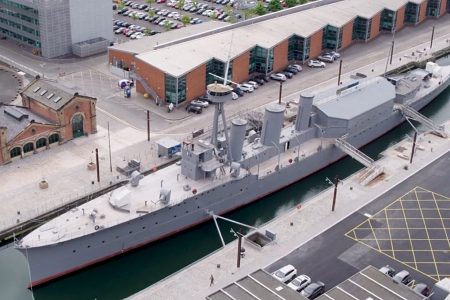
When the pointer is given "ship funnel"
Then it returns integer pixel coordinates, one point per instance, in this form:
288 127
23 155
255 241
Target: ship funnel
237 138
304 111
273 121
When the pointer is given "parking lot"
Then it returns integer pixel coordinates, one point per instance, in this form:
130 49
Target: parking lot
406 228
168 11
413 230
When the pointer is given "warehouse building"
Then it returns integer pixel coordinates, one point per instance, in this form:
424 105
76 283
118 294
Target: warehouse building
51 28
180 71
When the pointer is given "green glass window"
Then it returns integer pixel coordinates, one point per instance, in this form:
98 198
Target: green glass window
298 48
361 29
332 38
15 152
412 13
217 67
175 89
261 60
387 22
433 8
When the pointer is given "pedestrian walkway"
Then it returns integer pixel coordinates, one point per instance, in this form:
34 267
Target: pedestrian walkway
297 226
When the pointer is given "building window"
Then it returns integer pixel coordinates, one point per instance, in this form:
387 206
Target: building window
387 22
261 60
28 147
53 138
217 67
42 142
361 29
175 89
298 48
412 13
15 152
332 38
433 8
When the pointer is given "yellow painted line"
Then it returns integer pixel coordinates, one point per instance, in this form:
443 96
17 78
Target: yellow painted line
389 231
412 218
416 250
374 235
401 228
428 236
409 234
368 239
393 209
442 221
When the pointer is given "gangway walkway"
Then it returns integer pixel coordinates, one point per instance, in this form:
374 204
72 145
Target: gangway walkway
411 113
373 170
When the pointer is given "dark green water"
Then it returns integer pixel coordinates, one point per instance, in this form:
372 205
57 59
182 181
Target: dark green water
130 273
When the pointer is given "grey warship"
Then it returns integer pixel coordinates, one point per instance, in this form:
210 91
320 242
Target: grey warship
233 169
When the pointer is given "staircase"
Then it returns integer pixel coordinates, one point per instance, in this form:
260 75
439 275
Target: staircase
411 113
144 83
372 171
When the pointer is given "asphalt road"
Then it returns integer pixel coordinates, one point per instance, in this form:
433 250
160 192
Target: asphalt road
333 256
9 86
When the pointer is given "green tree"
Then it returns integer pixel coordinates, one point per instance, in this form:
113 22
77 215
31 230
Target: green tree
185 19
229 11
120 5
248 13
167 25
134 17
303 1
291 3
259 9
150 2
151 13
180 4
274 5
147 31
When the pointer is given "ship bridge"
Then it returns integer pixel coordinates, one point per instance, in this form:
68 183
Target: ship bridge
354 107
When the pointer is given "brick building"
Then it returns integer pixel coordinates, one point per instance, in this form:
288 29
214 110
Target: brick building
48 116
179 70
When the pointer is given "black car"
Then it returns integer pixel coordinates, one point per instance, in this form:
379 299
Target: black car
194 108
258 80
238 91
292 70
261 76
313 290
288 74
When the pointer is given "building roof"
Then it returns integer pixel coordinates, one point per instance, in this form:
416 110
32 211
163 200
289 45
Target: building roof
149 42
49 95
17 118
357 98
181 58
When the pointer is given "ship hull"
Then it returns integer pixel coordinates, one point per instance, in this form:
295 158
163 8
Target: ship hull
49 262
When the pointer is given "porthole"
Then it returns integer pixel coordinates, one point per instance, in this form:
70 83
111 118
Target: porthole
89 246
175 216
103 242
74 251
117 236
187 211
130 232
156 223
143 227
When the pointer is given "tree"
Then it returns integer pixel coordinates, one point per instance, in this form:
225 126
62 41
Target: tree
303 1
120 5
259 9
229 11
185 19
248 13
213 15
291 3
151 13
150 2
134 17
180 4
274 5
167 25
147 31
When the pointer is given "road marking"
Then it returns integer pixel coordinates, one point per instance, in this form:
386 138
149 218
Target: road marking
389 231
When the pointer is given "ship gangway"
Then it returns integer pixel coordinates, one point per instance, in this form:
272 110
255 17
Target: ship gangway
372 169
410 113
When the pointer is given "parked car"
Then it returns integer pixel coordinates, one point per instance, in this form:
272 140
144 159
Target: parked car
246 87
234 96
125 82
265 78
402 277
291 70
278 77
288 74
119 31
259 81
299 283
238 91
326 58
253 83
313 290
201 103
194 108
387 270
334 54
296 66
316 64
422 289
285 273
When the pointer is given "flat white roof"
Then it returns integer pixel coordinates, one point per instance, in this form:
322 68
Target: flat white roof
179 59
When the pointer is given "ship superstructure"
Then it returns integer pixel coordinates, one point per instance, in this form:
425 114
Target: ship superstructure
232 169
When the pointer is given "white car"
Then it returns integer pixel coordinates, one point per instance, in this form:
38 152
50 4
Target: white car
246 87
326 58
285 273
298 67
316 64
201 103
334 54
253 83
234 96
299 283
278 77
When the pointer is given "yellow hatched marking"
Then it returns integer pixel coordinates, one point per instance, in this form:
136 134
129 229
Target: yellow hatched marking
428 236
409 234
442 220
374 235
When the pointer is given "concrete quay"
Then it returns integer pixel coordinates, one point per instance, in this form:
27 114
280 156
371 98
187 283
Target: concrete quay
297 226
